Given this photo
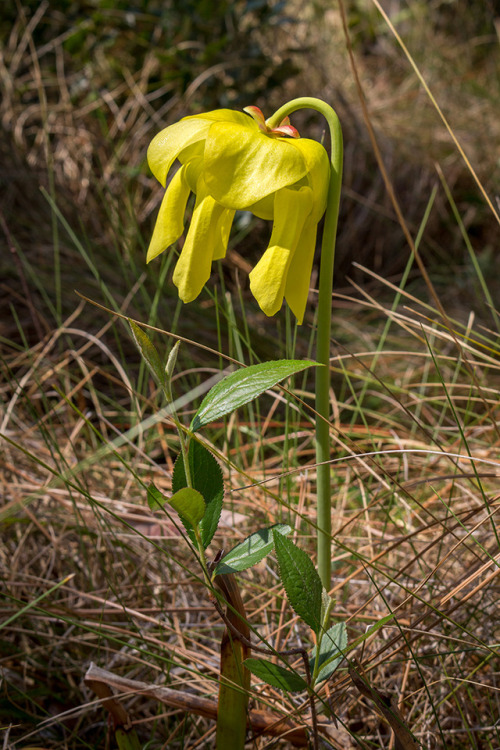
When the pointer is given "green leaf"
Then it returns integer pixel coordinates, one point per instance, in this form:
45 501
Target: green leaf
331 651
251 550
206 476
189 504
156 499
301 581
243 386
277 676
148 352
172 360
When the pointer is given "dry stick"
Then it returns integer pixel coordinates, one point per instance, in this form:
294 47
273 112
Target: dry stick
103 691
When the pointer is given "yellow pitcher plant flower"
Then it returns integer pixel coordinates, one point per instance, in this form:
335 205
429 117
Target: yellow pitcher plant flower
234 161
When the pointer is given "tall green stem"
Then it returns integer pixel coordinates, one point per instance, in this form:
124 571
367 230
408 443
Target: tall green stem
324 521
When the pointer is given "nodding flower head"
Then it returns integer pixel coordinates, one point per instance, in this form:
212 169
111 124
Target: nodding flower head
233 161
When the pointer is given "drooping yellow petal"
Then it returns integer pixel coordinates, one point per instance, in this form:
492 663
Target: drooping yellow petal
204 239
299 272
222 233
167 145
193 169
318 172
243 165
269 277
170 221
264 208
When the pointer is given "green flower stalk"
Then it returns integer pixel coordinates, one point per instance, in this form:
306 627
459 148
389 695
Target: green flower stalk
323 335
234 161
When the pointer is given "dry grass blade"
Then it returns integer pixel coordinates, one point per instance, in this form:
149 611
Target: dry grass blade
387 707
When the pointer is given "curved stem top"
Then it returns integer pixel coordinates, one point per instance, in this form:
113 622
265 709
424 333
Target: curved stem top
310 102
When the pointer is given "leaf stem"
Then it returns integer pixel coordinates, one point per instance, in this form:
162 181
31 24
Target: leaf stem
322 631
203 558
324 325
